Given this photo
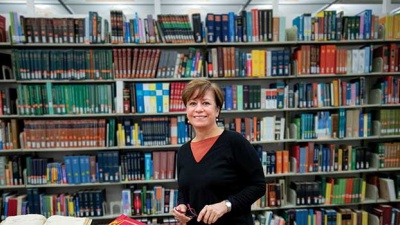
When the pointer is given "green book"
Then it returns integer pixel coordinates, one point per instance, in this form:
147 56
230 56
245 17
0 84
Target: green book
49 95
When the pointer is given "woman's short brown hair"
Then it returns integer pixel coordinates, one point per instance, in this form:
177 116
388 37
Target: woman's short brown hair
202 86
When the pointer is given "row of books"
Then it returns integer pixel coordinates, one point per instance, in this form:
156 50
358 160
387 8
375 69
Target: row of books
297 95
130 63
154 131
148 201
74 169
329 59
9 134
321 125
255 25
257 129
326 191
331 190
275 196
133 165
85 203
389 121
327 216
7 100
100 133
71 64
389 90
105 166
149 97
94 29
236 62
40 134
350 123
388 154
49 98
329 157
274 162
11 170
160 164
330 25
381 214
42 99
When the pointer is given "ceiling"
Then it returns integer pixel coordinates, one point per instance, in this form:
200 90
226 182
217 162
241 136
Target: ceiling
77 2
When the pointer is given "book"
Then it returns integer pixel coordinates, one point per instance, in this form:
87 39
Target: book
3 32
36 219
125 220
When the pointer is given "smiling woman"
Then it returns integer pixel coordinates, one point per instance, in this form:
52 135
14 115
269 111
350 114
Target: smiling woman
219 173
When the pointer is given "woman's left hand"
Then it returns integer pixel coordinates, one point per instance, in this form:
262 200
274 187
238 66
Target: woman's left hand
211 213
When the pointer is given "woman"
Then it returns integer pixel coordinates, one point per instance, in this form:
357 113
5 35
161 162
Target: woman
219 172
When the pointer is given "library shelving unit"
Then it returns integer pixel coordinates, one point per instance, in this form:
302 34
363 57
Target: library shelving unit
322 114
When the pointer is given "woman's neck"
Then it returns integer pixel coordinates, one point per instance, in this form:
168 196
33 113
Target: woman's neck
202 134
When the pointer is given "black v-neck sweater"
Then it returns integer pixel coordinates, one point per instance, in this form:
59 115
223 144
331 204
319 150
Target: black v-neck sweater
231 169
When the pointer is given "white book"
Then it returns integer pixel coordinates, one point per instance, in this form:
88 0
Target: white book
119 105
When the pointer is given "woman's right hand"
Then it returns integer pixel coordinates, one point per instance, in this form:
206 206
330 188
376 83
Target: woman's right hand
179 214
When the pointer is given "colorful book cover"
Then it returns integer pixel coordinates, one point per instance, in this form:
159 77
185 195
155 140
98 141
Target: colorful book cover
125 220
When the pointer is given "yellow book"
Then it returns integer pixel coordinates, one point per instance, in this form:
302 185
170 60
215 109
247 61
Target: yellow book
165 96
363 190
338 218
328 191
365 125
364 217
153 98
262 58
254 62
340 161
136 135
354 218
120 135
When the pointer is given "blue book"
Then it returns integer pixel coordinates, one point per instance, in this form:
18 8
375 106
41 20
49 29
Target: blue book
225 28
136 28
238 29
210 25
249 25
76 170
367 59
303 155
82 169
274 62
139 97
68 168
114 173
231 27
342 123
147 165
365 22
228 97
218 28
286 62
127 37
298 22
159 97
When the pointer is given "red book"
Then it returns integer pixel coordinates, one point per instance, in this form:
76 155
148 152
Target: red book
3 36
125 220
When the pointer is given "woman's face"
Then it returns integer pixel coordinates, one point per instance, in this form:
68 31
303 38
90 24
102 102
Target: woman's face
202 112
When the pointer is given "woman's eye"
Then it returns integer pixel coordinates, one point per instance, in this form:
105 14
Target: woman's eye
192 103
206 103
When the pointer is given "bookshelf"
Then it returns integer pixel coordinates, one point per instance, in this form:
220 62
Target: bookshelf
114 189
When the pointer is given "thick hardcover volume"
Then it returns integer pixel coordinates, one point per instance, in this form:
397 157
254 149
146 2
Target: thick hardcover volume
125 220
3 36
197 28
210 25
